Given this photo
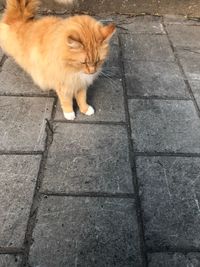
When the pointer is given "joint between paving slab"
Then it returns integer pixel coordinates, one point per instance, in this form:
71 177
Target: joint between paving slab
28 95
182 71
148 61
37 195
31 95
133 164
11 250
113 123
140 33
166 154
4 57
189 48
159 98
174 250
11 152
88 194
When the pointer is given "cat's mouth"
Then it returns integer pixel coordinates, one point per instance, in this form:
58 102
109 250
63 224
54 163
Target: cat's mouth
90 73
94 73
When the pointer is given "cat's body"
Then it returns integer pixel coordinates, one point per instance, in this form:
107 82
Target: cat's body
61 54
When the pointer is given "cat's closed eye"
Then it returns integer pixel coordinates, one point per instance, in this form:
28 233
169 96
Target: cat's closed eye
96 63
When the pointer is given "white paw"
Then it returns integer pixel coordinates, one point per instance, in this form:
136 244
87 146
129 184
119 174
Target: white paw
69 116
90 111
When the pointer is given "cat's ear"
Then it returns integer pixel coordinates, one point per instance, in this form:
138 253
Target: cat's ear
108 31
74 42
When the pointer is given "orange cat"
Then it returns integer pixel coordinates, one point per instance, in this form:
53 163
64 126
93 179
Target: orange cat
61 54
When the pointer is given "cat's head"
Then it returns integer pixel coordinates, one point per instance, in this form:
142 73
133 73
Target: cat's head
87 44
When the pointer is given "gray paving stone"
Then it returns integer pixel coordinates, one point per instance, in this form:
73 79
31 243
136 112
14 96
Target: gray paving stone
10 261
179 19
106 96
164 126
169 189
88 158
18 176
22 122
85 232
184 35
155 79
13 80
174 260
1 53
146 47
111 67
195 86
143 24
190 60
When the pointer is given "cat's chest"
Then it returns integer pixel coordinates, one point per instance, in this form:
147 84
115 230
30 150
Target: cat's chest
87 79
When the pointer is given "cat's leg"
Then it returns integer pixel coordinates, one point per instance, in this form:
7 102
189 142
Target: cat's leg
81 99
66 101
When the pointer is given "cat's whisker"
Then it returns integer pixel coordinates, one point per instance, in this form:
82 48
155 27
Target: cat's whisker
108 72
110 80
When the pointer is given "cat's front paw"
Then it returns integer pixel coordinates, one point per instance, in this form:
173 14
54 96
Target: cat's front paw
70 116
90 111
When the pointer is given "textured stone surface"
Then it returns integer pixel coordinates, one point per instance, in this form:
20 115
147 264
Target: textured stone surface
155 79
119 6
164 126
1 53
169 190
111 67
143 24
106 96
18 176
195 86
184 35
189 8
85 232
146 47
13 80
174 260
88 158
190 60
137 7
22 122
10 261
180 19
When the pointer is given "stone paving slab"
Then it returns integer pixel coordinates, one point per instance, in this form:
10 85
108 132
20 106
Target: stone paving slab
1 54
174 260
10 261
86 232
146 47
18 176
164 126
169 189
22 122
13 80
179 19
190 61
154 79
184 35
111 67
143 24
86 158
106 96
195 86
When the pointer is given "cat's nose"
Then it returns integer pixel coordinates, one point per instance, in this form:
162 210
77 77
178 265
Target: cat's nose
91 69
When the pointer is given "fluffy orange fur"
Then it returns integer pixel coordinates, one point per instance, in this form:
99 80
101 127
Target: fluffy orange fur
61 54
